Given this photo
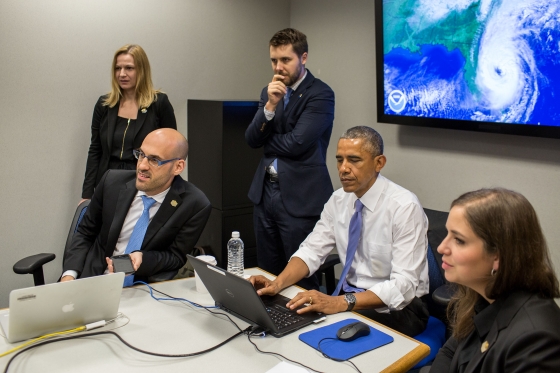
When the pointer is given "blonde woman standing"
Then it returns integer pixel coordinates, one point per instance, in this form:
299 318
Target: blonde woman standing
125 116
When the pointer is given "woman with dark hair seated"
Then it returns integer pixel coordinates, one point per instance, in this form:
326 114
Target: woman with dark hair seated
503 315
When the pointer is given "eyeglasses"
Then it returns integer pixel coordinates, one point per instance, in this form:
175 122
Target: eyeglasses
153 161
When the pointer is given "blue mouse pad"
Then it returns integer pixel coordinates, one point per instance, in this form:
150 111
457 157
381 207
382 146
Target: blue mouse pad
341 350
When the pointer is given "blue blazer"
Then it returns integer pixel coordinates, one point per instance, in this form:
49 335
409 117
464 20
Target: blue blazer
298 137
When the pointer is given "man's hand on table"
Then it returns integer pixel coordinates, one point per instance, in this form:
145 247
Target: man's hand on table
316 300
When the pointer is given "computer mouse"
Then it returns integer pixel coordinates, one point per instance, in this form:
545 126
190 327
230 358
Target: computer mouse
353 331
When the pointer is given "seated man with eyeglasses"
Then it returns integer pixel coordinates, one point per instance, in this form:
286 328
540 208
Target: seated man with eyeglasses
152 214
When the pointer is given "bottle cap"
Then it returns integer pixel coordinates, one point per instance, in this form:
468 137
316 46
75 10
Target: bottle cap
235 234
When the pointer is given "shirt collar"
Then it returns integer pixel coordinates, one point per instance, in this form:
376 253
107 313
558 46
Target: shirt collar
158 197
485 316
370 198
296 84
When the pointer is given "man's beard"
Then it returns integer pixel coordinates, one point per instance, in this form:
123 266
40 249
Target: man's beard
290 80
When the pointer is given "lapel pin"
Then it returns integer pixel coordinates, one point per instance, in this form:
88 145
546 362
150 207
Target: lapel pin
301 94
144 111
174 203
484 346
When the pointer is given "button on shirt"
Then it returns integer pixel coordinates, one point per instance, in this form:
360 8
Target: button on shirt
134 213
391 257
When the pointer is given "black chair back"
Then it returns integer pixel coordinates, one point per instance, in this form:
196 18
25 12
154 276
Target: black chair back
78 216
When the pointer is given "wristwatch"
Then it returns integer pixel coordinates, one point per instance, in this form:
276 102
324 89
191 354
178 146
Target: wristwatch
351 300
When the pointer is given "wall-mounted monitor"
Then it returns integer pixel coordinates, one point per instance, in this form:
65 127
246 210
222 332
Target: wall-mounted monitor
487 65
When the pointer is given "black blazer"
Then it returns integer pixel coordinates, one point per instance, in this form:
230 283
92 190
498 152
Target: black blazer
522 334
298 137
171 235
159 115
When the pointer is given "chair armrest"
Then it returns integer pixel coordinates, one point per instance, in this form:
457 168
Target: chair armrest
32 263
443 294
331 261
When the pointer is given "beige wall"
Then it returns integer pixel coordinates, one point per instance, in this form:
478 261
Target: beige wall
55 61
55 58
436 164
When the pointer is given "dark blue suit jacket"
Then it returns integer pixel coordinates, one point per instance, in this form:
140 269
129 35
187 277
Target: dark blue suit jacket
298 137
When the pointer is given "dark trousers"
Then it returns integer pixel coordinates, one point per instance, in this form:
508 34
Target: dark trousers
279 234
411 320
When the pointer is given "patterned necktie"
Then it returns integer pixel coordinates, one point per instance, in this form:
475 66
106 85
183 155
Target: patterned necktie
287 96
137 236
354 232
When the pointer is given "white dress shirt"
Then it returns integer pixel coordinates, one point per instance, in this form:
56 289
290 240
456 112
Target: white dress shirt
134 213
391 257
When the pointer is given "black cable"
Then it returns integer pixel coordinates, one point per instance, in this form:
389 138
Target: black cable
246 331
277 354
126 344
333 358
256 347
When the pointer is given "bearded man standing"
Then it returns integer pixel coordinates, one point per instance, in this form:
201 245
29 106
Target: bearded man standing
293 125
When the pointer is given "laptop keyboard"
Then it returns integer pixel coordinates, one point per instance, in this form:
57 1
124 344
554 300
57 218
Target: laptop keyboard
282 317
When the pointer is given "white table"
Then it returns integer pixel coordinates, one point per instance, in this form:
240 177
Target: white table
171 327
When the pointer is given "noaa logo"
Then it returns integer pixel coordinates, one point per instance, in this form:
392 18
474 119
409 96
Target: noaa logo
230 293
396 101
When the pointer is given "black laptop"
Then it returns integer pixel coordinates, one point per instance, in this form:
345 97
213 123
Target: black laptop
237 296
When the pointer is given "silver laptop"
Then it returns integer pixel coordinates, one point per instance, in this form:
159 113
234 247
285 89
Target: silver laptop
60 306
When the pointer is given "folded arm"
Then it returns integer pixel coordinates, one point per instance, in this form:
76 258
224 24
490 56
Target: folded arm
316 118
260 128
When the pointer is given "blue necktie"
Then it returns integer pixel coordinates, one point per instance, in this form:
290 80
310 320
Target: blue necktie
287 96
353 238
137 236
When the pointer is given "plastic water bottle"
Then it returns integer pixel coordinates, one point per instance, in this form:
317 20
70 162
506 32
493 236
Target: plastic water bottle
235 254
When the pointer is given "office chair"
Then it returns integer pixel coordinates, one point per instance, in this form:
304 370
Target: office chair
34 264
440 291
327 269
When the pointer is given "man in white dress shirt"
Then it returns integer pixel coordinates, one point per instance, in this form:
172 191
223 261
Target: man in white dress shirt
388 275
